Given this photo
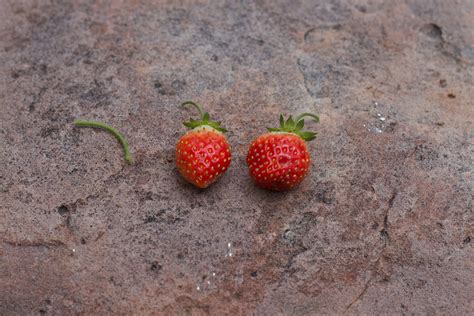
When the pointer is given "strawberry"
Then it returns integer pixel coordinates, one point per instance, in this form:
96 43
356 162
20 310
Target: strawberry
279 159
203 153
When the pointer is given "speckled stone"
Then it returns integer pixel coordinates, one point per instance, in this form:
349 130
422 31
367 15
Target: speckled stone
382 225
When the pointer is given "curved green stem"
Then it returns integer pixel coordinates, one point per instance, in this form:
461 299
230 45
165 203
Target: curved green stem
195 105
313 116
111 130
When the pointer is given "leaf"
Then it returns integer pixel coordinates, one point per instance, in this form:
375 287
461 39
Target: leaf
307 136
299 125
290 124
205 117
272 129
282 121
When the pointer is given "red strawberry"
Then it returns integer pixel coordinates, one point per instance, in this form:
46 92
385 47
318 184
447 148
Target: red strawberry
203 153
279 160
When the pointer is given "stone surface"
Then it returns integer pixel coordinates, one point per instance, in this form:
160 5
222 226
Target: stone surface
383 224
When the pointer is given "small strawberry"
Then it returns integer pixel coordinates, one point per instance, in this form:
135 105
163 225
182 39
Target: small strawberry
279 159
203 153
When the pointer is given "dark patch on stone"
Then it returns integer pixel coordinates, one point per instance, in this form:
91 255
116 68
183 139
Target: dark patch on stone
155 266
467 240
43 69
36 98
150 219
171 89
325 192
50 131
451 95
289 236
426 155
15 74
158 85
443 83
156 217
253 274
146 196
114 281
432 30
25 197
390 128
361 8
170 219
178 85
96 94
63 210
307 33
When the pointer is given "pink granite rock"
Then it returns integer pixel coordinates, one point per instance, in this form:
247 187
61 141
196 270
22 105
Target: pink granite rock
382 225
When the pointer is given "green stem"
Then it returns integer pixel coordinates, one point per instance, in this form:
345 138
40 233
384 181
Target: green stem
111 130
313 116
195 105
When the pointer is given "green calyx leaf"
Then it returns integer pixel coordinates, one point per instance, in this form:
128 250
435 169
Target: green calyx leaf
296 125
204 120
299 126
290 123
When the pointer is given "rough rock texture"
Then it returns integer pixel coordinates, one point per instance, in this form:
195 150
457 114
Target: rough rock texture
384 223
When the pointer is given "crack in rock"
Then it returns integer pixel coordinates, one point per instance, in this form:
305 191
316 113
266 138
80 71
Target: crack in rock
305 79
447 48
306 34
35 243
361 294
385 234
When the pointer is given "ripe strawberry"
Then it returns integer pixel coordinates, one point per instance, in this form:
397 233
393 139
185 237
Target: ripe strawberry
279 160
203 153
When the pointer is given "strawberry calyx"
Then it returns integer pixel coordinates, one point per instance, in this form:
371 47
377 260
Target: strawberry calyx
296 125
204 119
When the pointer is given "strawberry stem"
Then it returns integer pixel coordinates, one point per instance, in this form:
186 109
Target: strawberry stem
205 119
111 130
196 106
313 116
